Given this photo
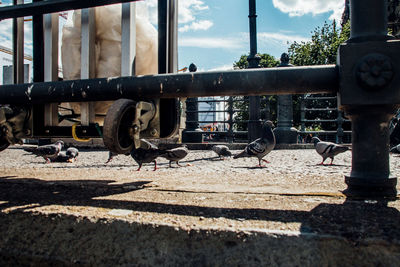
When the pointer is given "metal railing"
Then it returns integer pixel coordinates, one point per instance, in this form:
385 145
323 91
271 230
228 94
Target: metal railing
366 76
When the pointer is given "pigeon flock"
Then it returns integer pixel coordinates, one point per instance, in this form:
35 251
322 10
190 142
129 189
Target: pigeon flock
149 152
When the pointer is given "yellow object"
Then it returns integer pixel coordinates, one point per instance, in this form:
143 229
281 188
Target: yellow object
76 138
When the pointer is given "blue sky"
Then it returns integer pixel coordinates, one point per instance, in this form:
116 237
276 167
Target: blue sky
224 36
214 33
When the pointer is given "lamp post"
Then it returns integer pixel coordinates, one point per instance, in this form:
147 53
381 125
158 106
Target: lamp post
254 123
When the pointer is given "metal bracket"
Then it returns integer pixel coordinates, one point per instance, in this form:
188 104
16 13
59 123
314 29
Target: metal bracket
144 113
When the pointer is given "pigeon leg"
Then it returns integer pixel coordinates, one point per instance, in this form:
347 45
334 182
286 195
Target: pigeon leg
322 162
47 160
177 163
140 166
259 164
170 163
331 161
155 165
266 161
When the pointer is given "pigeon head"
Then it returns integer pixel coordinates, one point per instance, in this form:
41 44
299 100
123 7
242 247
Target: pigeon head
269 124
60 143
315 140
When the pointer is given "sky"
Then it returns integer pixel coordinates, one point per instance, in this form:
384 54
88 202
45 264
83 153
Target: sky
213 34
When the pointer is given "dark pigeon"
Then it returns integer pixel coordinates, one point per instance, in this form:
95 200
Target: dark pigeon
62 157
328 149
146 153
72 152
175 154
222 151
48 152
260 147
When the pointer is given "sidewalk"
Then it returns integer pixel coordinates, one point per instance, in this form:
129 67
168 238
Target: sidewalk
214 212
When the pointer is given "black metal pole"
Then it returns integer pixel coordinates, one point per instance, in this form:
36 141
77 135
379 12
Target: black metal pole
370 173
271 81
254 123
38 47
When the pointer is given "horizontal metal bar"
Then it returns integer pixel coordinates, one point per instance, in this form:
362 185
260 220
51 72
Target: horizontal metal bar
293 80
322 132
344 120
320 109
320 98
206 111
44 7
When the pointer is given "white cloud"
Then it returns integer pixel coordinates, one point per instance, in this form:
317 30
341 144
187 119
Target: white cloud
222 68
280 38
197 25
187 14
211 42
314 7
189 8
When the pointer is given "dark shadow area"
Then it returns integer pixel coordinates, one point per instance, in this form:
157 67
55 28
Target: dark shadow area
353 219
25 191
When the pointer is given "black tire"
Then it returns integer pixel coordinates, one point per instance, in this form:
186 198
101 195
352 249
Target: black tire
3 144
117 123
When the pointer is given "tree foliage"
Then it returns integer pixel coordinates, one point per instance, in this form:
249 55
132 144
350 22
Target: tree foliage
266 61
241 104
323 47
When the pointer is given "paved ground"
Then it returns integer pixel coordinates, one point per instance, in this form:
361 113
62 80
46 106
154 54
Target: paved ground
291 195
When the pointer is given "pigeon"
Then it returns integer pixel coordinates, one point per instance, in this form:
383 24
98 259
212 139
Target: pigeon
395 149
175 154
146 153
222 151
328 149
72 153
262 146
48 152
62 157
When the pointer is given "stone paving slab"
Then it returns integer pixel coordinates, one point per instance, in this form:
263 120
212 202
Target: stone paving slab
210 212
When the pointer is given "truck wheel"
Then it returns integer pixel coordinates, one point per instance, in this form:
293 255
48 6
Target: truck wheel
117 128
3 144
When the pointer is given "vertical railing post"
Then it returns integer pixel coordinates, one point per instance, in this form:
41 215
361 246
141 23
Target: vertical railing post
51 63
340 132
284 132
18 47
368 95
254 123
88 32
192 132
230 119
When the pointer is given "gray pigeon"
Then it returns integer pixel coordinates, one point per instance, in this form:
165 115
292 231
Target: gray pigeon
72 153
262 146
146 153
61 157
48 152
175 154
222 151
327 149
395 149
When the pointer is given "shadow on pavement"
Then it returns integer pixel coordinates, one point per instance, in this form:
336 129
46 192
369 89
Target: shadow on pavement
352 219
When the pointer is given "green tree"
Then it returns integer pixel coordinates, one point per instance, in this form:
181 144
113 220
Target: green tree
241 104
322 49
266 61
